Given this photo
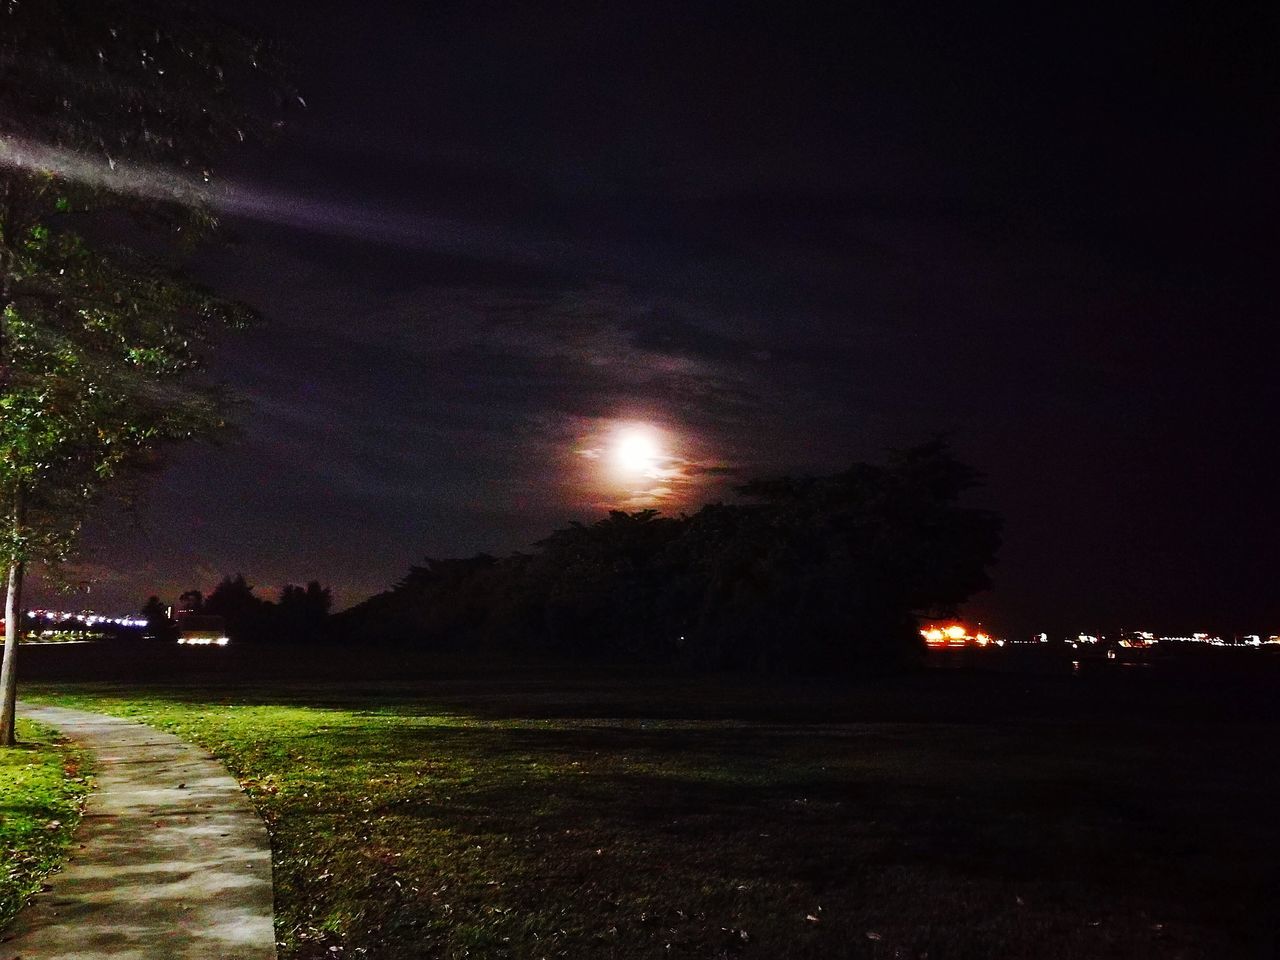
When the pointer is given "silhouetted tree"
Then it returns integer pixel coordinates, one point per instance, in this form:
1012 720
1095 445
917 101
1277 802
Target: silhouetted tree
159 625
301 612
246 615
191 601
602 583
834 571
447 600
809 574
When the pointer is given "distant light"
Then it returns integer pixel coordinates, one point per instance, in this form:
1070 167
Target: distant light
85 617
955 635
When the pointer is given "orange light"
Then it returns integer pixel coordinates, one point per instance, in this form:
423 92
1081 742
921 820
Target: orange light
934 636
956 635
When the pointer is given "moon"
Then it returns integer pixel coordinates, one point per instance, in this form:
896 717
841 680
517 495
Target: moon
637 453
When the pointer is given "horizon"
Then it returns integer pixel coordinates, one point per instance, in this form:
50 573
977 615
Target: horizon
127 618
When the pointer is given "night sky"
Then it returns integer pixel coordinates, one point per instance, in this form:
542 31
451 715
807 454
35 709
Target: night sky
783 236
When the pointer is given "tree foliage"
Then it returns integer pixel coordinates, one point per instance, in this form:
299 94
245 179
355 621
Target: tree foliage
805 574
111 116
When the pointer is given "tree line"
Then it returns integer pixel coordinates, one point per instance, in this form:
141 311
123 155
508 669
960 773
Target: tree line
299 614
803 575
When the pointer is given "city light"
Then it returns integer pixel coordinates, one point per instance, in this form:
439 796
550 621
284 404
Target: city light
952 635
85 617
941 636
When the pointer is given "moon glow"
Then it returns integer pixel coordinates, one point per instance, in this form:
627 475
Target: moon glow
636 453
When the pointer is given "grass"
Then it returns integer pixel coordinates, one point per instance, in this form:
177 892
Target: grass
628 818
43 784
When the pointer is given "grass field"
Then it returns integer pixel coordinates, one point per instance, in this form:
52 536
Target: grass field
447 813
43 783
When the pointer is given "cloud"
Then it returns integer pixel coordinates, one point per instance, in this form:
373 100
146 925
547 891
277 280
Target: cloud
306 212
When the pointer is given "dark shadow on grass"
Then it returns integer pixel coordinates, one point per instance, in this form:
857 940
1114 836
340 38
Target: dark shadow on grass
1079 848
1235 688
755 803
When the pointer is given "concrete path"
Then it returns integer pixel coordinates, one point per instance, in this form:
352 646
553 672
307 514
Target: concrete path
170 861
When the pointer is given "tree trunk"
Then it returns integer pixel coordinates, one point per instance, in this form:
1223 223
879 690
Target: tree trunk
12 628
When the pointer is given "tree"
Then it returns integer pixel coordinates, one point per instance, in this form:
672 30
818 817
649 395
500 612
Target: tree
301 612
111 114
191 601
806 575
604 582
833 572
245 613
159 625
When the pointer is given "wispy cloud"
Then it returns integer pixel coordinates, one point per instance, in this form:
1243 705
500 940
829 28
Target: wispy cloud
311 213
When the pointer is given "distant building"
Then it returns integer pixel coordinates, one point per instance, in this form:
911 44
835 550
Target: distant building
201 629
